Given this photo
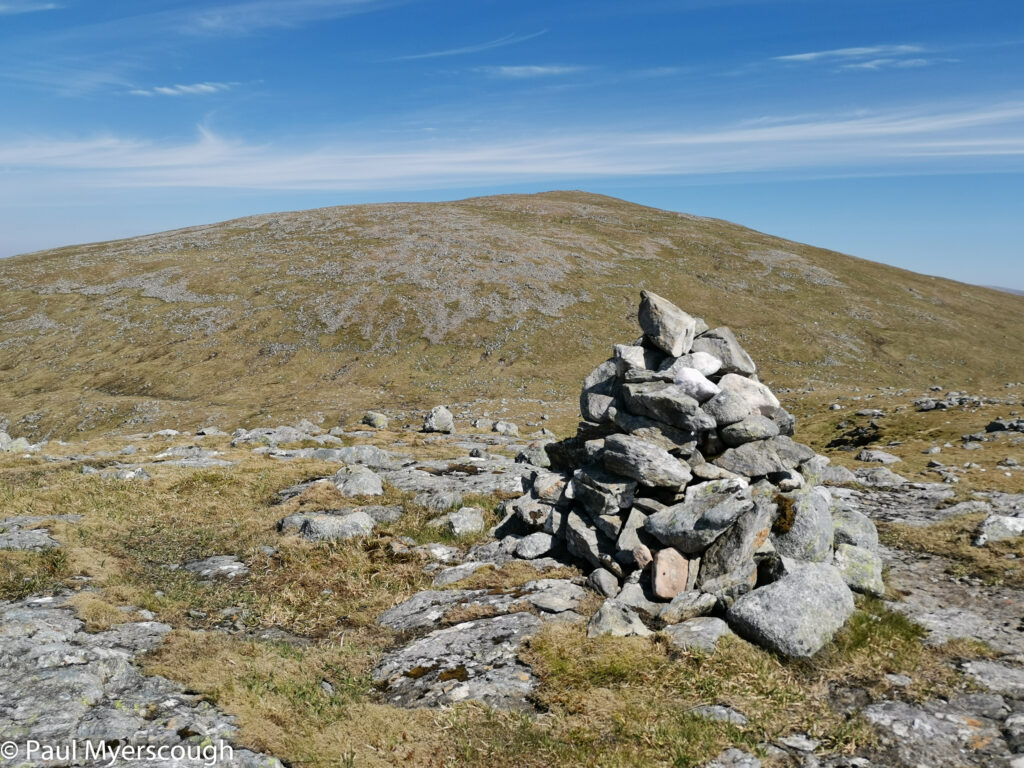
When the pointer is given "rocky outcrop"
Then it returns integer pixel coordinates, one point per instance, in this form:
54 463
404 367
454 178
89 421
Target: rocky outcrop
683 487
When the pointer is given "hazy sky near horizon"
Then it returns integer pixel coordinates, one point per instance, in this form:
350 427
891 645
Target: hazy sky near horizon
889 129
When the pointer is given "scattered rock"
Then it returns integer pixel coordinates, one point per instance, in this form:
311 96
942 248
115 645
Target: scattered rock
701 633
439 419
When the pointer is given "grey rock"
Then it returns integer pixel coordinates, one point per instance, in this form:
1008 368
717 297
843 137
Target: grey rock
680 441
880 477
357 481
602 493
618 620
375 420
853 527
639 597
933 734
457 573
797 615
722 343
757 459
728 407
719 713
999 528
759 396
734 758
998 676
701 633
861 569
603 582
644 462
629 538
667 403
337 527
636 357
810 531
751 428
439 419
707 364
665 325
687 605
737 545
475 660
820 471
599 392
706 512
879 457
217 567
62 684
438 500
465 521
535 545
589 545
506 428
536 454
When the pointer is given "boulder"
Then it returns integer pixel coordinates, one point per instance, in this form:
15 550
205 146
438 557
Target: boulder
998 528
680 441
357 481
861 569
644 462
737 545
602 493
599 392
707 510
878 457
701 633
796 615
665 325
687 605
603 582
618 620
803 529
756 459
728 407
722 344
667 403
855 528
439 419
751 428
337 527
375 420
535 545
589 545
465 521
759 397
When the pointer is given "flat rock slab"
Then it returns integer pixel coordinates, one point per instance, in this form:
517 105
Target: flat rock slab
912 504
483 477
428 608
61 684
475 660
935 734
16 533
949 609
217 567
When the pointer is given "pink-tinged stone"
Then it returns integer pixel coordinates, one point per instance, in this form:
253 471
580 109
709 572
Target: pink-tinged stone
671 570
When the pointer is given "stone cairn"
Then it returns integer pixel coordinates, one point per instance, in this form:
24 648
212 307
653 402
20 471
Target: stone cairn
684 496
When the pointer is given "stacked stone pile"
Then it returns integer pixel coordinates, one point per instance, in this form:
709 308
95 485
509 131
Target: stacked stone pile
685 496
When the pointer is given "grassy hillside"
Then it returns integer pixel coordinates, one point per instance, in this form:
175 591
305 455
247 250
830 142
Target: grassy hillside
402 306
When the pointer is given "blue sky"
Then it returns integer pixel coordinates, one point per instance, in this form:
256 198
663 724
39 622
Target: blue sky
892 130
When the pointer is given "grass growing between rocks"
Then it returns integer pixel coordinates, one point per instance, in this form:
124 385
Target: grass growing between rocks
30 573
616 701
998 563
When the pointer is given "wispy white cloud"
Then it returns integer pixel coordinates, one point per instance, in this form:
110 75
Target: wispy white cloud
500 42
195 89
855 143
529 71
252 15
853 53
11 8
876 64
